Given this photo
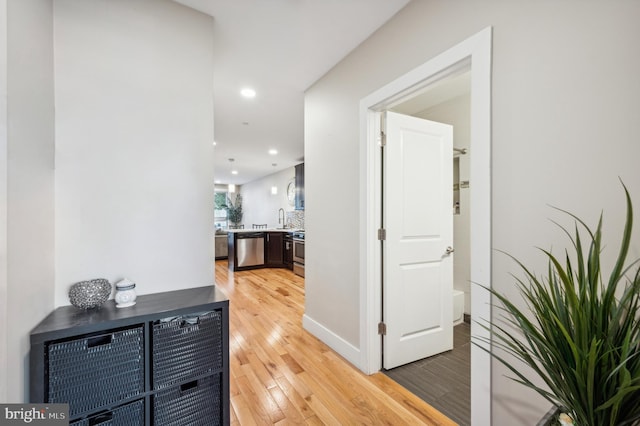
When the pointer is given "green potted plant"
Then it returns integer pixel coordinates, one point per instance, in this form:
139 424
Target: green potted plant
579 332
234 210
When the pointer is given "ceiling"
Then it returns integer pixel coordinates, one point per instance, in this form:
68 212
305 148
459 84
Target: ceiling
279 48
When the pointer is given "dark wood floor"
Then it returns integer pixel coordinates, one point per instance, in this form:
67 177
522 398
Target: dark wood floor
443 381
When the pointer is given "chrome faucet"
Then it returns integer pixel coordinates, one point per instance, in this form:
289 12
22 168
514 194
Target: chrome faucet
281 218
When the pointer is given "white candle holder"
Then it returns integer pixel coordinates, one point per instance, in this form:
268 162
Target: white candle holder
125 293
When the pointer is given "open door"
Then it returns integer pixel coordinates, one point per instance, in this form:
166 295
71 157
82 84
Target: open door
417 251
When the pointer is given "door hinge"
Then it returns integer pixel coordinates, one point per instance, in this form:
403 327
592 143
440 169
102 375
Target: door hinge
382 328
383 139
382 234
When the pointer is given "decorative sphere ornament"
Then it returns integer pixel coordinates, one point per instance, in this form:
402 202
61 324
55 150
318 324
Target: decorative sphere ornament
90 294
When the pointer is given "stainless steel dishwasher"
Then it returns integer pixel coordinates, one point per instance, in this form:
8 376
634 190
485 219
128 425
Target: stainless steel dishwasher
250 249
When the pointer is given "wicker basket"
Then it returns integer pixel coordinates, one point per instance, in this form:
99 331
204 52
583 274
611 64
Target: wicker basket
196 403
96 371
186 347
126 415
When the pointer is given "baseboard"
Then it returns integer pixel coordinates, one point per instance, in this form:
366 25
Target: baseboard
335 342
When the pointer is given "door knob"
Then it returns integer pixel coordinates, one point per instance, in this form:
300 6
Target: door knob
450 250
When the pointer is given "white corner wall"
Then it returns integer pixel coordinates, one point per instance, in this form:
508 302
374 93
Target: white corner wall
260 206
564 120
29 186
4 343
134 133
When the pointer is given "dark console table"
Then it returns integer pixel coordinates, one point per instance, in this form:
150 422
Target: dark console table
163 361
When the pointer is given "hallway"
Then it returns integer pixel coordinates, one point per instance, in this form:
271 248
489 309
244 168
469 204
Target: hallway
281 374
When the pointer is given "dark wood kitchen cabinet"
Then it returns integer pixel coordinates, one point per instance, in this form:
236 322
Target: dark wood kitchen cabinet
288 251
274 249
163 361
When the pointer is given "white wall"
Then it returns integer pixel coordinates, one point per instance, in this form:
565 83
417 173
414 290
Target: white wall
565 127
260 206
4 343
134 133
457 112
30 184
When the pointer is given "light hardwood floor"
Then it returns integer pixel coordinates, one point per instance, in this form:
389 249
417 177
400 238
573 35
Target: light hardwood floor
281 374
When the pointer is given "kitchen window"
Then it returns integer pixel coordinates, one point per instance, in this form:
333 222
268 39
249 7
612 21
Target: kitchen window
219 212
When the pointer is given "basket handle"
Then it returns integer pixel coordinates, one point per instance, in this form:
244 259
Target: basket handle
184 388
101 419
105 339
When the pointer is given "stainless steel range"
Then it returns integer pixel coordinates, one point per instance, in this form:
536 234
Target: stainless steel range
298 253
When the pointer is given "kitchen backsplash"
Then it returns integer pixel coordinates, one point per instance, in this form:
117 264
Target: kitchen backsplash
295 219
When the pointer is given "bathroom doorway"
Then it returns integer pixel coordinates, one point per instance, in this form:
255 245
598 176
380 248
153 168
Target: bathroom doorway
473 55
441 377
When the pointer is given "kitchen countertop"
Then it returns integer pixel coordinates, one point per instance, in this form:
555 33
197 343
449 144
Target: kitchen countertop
238 231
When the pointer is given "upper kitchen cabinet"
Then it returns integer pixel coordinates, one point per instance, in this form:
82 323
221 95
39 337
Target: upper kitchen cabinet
299 205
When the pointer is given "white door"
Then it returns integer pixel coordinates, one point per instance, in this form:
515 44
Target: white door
418 218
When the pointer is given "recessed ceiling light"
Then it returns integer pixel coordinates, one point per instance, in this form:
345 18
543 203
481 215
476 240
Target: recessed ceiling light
215 143
248 92
273 151
234 172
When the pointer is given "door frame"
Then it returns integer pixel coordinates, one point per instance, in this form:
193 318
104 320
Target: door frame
473 53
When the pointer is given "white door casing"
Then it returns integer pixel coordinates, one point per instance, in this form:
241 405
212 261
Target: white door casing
475 49
418 219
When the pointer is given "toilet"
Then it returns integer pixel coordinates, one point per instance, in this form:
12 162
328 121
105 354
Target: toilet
458 307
